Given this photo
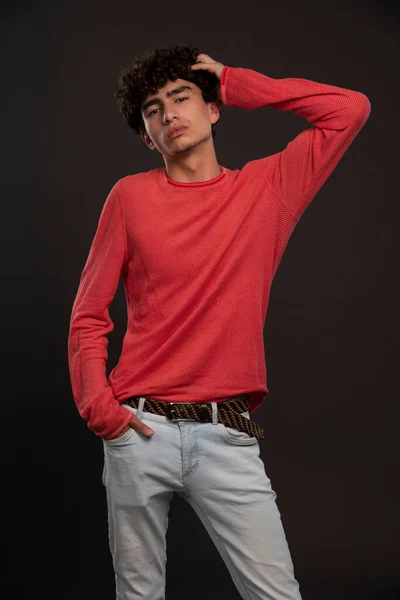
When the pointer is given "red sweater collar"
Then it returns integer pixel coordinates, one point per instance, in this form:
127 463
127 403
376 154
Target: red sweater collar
195 184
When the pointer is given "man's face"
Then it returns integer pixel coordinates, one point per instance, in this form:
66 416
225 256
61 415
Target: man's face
179 104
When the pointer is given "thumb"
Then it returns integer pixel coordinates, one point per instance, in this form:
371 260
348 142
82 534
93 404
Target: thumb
147 431
144 430
140 426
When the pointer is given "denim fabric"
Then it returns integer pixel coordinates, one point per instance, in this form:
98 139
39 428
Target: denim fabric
218 470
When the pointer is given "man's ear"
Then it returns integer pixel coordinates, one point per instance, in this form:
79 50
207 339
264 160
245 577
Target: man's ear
147 140
215 109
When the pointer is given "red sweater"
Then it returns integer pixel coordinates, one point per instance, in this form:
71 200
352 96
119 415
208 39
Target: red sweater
198 260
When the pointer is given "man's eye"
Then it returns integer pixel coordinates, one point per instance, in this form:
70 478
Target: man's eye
177 100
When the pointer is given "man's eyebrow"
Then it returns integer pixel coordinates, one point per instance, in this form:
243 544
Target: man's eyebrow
173 92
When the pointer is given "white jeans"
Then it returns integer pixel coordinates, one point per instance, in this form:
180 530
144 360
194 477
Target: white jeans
218 470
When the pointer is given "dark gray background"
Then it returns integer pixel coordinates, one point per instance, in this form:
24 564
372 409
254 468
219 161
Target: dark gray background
331 419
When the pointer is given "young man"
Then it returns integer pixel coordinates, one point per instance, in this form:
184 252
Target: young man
197 245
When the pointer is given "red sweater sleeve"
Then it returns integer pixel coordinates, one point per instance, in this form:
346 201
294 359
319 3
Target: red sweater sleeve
337 115
90 323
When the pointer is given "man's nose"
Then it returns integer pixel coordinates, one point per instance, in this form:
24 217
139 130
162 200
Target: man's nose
170 112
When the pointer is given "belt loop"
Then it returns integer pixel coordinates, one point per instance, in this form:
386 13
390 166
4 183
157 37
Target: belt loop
214 413
140 408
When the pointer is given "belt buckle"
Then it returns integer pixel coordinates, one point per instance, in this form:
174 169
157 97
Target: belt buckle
171 412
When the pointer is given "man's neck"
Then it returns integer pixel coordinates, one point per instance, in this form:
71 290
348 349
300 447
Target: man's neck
192 169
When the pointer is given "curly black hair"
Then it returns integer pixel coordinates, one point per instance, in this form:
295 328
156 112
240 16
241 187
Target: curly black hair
151 70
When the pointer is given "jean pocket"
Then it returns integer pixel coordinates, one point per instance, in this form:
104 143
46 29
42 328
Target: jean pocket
121 438
234 436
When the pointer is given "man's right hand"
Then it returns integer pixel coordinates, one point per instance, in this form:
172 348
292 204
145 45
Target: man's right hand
139 426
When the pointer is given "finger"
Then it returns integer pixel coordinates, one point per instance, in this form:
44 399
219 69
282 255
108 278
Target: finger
203 65
205 58
140 427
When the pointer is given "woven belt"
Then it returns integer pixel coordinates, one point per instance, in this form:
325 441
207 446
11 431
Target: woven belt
228 412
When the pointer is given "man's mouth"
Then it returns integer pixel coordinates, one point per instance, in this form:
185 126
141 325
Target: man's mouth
176 131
